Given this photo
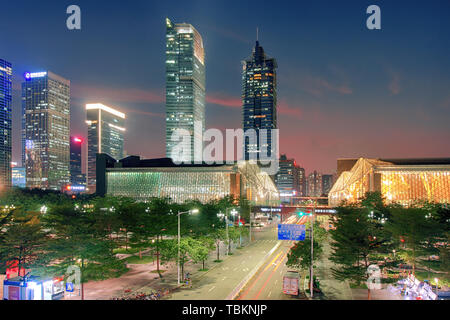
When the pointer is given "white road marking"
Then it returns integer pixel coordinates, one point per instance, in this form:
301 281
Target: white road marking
224 278
277 281
270 292
212 288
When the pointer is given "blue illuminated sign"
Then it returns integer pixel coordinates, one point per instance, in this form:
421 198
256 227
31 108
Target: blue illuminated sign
294 232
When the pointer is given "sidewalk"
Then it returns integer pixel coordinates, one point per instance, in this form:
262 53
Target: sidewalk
144 278
332 289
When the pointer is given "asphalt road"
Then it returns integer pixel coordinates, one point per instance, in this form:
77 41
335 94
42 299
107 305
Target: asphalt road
267 283
221 280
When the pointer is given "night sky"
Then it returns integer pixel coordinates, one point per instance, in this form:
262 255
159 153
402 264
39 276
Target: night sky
343 90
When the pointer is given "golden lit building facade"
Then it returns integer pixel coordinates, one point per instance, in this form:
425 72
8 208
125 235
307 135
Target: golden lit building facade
403 181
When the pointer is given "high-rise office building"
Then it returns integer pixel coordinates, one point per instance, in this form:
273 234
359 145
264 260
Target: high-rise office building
76 176
287 179
106 127
5 124
302 182
327 183
46 106
314 184
185 90
259 99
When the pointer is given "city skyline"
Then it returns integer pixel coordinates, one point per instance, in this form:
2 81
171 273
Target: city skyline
368 97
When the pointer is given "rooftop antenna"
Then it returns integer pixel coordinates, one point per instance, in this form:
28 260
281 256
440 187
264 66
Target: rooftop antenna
257 33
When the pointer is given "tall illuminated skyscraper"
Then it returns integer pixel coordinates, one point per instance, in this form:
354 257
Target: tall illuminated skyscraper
185 88
5 124
106 127
46 120
76 177
259 100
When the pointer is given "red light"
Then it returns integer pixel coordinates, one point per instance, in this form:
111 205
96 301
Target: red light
76 139
68 187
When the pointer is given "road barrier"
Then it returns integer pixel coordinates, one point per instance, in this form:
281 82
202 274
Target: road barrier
242 284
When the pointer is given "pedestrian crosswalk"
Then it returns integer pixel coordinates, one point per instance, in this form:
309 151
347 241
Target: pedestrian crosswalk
268 241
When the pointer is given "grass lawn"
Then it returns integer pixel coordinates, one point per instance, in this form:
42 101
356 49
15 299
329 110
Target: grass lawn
126 251
136 260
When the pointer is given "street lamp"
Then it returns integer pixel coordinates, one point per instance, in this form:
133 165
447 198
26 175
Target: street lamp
437 285
179 237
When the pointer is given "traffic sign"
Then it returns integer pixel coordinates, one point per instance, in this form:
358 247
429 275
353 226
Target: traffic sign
294 232
69 286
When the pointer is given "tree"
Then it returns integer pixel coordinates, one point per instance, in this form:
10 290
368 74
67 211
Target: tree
76 240
206 244
23 241
357 239
299 255
417 229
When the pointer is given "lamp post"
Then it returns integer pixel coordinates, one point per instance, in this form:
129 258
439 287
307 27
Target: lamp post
179 238
312 250
437 285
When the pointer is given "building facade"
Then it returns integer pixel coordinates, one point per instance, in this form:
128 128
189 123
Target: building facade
19 179
402 181
106 127
185 91
287 179
327 183
76 175
5 124
259 103
302 182
314 184
45 136
145 179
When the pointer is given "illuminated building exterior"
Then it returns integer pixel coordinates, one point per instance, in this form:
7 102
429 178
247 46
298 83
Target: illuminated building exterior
76 177
402 181
144 179
327 183
106 127
302 182
19 177
45 136
287 179
5 123
314 184
185 89
259 100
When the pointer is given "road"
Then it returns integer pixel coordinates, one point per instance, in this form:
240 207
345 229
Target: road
267 283
221 280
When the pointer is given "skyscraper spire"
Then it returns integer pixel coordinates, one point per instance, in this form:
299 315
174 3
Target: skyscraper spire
257 34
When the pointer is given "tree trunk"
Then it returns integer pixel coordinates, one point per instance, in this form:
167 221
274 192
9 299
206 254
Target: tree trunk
157 256
140 253
81 280
368 294
218 246
203 263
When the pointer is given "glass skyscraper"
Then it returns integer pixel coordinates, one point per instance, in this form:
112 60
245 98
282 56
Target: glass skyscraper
105 135
185 89
259 100
5 124
45 136
76 177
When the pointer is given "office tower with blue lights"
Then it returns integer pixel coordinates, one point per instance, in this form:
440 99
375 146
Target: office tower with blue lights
46 131
5 124
185 90
106 127
259 100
